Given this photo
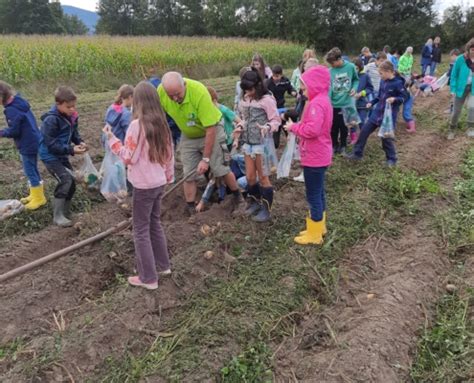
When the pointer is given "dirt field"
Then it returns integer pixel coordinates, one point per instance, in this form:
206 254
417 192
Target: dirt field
348 312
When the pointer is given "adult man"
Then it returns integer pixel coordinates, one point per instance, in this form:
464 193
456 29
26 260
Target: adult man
203 140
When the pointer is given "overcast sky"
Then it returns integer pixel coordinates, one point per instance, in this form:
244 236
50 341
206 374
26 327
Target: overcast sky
441 5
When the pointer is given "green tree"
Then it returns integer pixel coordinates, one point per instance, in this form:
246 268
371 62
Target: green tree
123 17
74 26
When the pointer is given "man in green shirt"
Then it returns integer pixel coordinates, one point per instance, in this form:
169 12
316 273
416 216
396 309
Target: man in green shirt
203 141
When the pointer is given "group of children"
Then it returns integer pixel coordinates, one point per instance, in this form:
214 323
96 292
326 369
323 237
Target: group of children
145 142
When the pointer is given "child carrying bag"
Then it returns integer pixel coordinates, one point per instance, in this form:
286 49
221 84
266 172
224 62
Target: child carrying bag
386 128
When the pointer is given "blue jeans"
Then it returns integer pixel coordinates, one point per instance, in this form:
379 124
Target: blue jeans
433 68
315 193
362 115
424 67
388 144
407 108
30 168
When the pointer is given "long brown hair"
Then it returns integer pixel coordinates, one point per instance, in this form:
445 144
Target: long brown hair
259 58
147 109
125 91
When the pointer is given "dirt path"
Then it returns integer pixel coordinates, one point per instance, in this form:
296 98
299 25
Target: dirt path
387 289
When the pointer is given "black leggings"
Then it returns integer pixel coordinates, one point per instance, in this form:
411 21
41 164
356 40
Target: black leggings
339 130
62 171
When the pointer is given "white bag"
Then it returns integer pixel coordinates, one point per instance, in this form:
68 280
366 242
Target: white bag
114 179
10 207
88 173
284 165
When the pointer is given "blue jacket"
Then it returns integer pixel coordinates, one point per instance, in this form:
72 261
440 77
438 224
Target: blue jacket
58 134
364 84
119 118
22 126
426 55
459 76
365 60
391 88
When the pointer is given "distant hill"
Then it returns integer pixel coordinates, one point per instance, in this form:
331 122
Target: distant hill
89 18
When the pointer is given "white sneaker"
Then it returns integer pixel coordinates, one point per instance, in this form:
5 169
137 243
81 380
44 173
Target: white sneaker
165 272
300 178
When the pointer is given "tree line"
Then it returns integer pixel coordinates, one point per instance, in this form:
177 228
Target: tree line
320 23
38 17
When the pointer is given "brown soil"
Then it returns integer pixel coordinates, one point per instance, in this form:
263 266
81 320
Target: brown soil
387 289
359 338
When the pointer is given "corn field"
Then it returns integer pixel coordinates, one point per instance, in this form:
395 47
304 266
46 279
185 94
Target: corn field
25 59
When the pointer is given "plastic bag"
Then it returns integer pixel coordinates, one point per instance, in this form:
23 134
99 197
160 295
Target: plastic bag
351 115
88 174
114 180
387 129
284 165
441 82
297 155
10 207
270 159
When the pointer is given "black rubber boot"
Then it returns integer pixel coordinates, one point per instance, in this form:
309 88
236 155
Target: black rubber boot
267 202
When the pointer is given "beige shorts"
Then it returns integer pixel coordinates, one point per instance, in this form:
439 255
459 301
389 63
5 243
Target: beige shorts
192 149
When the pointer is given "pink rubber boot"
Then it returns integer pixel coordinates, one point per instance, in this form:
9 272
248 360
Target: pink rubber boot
411 127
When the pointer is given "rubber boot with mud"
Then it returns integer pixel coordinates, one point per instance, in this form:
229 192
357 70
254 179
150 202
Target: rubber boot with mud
263 214
37 198
314 234
325 229
67 209
253 200
59 218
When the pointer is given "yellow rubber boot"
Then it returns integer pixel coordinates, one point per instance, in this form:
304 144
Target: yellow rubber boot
25 200
325 229
314 234
38 199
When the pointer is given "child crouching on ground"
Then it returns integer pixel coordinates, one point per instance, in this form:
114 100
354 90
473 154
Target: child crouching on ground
314 133
260 119
60 139
392 90
148 154
24 131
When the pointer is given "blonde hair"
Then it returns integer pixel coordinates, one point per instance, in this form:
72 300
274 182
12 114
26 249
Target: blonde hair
308 54
311 62
125 91
147 109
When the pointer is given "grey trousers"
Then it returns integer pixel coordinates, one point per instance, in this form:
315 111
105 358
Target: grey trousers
149 237
457 109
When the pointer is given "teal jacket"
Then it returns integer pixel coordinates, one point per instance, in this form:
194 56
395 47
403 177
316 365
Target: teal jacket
459 76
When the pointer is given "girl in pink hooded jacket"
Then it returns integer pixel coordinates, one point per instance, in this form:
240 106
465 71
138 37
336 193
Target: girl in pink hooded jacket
314 132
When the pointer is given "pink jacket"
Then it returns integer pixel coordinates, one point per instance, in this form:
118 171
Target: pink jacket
142 173
314 129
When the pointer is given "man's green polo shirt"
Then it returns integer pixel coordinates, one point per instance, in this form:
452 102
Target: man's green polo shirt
197 111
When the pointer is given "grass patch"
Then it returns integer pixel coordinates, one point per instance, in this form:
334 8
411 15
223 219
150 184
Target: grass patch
445 352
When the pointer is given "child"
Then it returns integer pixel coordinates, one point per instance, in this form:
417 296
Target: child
395 56
258 63
344 83
296 76
314 132
408 106
119 115
238 89
229 117
406 63
278 85
259 115
453 55
24 131
60 139
148 154
364 94
392 91
372 69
